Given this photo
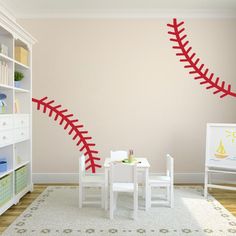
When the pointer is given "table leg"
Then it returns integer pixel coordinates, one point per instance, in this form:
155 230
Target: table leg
106 189
146 190
206 182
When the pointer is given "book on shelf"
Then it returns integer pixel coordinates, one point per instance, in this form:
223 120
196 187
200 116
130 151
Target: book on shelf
4 73
17 105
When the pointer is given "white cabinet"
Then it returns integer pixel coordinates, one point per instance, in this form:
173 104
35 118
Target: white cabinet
21 127
14 128
21 134
15 118
6 137
6 122
21 120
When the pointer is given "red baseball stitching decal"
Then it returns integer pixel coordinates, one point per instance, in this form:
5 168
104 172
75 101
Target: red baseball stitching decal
74 127
178 36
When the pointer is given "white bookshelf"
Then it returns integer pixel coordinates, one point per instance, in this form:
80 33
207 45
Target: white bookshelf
15 124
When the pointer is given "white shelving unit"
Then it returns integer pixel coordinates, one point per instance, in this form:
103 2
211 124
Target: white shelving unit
16 120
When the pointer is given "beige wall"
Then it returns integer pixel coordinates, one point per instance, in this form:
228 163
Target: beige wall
123 81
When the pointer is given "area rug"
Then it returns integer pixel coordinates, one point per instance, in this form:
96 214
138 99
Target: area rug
56 212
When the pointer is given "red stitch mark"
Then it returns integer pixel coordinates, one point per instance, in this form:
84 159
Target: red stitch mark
73 127
178 36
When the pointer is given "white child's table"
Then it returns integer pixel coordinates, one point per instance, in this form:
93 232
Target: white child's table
142 166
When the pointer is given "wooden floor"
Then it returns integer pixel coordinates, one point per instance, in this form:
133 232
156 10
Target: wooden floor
226 198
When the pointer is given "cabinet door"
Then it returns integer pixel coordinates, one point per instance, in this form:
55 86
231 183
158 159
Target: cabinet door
6 137
6 122
21 120
21 134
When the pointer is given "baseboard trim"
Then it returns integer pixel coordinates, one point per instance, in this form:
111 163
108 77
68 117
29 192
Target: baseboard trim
47 178
180 178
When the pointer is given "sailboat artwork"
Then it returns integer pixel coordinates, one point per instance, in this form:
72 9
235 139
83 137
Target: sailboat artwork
221 147
221 152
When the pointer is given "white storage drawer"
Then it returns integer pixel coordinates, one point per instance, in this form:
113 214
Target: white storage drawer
21 120
6 122
21 134
6 137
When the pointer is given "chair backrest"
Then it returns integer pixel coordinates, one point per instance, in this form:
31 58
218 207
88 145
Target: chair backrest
81 167
118 155
170 166
123 173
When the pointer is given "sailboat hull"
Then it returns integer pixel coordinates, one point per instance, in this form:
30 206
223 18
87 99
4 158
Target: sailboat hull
220 155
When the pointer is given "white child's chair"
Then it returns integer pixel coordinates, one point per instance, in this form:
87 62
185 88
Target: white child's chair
167 181
118 155
121 155
123 178
89 180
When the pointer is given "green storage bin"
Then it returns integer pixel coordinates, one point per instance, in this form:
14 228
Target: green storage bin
21 179
6 190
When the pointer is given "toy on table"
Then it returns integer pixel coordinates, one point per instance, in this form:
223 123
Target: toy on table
130 158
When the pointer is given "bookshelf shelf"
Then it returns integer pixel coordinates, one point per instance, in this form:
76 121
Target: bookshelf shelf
5 58
20 90
16 111
22 164
2 174
21 66
5 86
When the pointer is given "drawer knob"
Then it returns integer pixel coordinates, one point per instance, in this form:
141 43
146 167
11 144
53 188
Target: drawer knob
22 133
4 123
4 137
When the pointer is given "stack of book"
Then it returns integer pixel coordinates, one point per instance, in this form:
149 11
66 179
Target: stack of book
21 55
4 73
3 49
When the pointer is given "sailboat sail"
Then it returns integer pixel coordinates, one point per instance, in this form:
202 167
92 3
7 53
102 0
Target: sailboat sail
221 152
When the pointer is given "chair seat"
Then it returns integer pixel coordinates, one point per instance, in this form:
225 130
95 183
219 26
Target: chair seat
166 181
159 180
123 187
93 179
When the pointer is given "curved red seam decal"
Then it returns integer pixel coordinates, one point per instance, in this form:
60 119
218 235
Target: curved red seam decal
178 36
74 127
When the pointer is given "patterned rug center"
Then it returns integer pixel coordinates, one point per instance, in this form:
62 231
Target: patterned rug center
56 212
